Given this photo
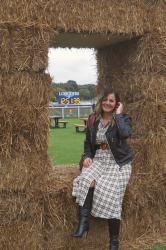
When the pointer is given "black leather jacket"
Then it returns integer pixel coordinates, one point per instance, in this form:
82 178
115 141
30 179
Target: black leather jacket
116 136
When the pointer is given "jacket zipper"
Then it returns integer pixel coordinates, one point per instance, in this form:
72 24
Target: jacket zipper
112 141
115 121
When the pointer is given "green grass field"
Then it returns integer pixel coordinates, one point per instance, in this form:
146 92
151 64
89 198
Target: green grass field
159 247
156 247
66 146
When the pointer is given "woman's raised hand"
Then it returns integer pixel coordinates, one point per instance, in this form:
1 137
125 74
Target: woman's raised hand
87 162
119 109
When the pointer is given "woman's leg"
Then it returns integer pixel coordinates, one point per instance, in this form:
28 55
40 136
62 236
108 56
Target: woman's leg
83 226
114 228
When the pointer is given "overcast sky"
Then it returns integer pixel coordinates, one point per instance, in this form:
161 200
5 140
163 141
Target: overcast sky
72 64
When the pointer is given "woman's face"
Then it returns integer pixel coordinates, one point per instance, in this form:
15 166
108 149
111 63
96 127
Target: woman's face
108 103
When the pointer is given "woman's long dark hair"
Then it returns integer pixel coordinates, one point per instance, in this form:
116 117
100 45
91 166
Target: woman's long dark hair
106 92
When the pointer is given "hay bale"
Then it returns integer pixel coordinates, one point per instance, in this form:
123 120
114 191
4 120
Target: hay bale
144 96
114 66
134 68
145 88
24 172
61 215
140 207
4 49
145 241
29 49
147 118
24 120
25 89
150 154
21 220
23 235
24 49
23 129
124 17
144 217
151 54
18 206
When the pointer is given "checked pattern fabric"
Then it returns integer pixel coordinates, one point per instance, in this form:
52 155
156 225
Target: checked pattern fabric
111 181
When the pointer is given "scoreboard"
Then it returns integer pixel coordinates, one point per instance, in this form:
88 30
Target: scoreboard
68 98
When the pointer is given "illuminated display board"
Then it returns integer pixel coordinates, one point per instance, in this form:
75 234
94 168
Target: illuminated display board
69 98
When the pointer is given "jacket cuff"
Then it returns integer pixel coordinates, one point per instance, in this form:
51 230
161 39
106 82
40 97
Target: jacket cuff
118 115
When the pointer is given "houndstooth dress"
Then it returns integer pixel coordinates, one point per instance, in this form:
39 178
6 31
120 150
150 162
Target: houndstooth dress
111 181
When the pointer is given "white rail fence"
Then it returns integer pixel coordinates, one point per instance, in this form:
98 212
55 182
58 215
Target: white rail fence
71 111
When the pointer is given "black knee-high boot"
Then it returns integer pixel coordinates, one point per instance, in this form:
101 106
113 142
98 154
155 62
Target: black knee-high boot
83 226
114 228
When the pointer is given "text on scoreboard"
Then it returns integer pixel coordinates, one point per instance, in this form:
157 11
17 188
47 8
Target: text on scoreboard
69 97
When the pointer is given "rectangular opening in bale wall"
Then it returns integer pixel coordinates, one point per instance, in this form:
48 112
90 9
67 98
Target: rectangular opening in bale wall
73 71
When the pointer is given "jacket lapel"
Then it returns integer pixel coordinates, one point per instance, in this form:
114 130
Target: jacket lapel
94 131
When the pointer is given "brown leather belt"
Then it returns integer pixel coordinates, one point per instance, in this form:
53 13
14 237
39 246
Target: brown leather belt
102 146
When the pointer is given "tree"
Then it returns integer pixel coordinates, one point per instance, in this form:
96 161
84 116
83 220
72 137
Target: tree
72 85
84 94
92 90
87 91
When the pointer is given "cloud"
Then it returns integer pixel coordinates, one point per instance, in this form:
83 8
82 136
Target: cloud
72 64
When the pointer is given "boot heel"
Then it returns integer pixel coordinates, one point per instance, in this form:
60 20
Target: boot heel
81 234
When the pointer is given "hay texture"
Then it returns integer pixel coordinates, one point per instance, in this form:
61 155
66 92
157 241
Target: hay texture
61 215
134 67
125 17
23 49
143 221
36 209
24 115
137 70
25 235
20 221
24 172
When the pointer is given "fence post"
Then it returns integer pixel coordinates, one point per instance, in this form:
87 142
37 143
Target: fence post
63 114
78 111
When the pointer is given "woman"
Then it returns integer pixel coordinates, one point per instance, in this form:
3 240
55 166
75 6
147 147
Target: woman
100 188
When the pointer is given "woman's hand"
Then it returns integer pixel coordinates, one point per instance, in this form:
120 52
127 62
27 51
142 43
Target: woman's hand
87 162
119 110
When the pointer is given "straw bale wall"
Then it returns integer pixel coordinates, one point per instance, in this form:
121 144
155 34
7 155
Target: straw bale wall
24 235
136 69
24 129
61 215
36 209
143 217
20 221
23 49
92 16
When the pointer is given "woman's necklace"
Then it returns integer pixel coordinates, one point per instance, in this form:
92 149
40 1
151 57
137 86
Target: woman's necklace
106 121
